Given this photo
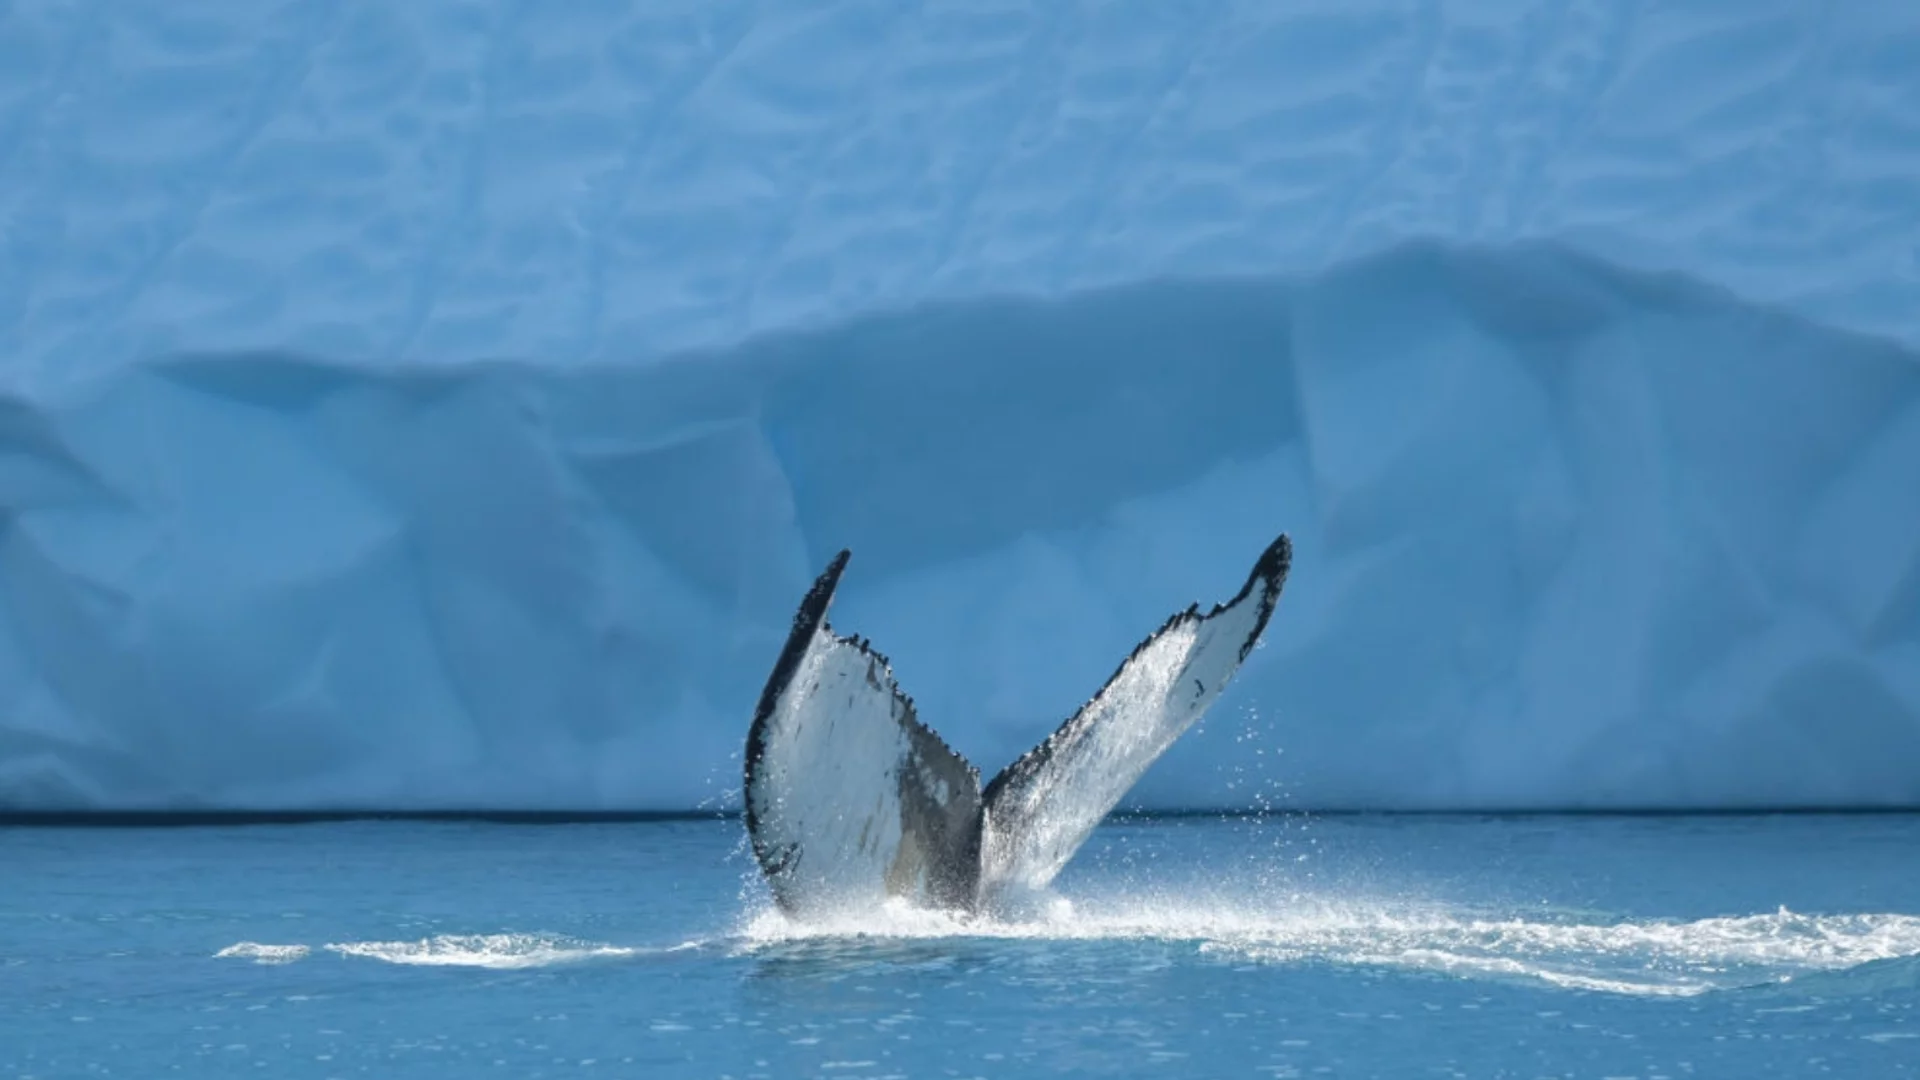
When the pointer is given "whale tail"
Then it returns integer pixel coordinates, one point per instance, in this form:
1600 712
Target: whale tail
852 801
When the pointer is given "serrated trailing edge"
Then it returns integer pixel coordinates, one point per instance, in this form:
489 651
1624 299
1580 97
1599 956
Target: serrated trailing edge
865 647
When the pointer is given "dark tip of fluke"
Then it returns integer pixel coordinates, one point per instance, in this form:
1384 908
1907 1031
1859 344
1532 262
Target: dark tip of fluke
832 573
813 609
1271 568
1276 560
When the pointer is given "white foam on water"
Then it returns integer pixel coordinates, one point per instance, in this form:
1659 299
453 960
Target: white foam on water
263 954
1645 957
1639 957
496 951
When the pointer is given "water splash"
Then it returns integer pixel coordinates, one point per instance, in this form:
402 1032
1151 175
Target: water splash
1639 957
1657 958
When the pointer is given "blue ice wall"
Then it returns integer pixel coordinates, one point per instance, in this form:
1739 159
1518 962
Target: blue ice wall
445 404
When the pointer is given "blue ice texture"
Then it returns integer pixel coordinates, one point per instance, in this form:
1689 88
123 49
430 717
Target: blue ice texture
445 404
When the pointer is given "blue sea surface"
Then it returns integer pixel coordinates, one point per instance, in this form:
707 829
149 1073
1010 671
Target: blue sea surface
1277 947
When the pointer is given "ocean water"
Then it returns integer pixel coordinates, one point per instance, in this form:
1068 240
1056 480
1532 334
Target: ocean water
1277 947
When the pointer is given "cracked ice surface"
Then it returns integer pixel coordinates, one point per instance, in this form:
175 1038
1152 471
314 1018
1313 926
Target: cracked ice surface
445 404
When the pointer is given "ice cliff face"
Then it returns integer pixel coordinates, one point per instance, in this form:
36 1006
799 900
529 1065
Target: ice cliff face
446 404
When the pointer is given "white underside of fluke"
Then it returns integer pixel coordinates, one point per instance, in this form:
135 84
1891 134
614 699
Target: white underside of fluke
1043 807
851 801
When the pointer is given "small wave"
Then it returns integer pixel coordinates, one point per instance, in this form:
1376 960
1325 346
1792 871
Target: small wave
501 951
263 954
498 951
1657 958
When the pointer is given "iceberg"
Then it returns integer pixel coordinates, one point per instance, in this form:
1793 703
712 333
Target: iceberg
440 407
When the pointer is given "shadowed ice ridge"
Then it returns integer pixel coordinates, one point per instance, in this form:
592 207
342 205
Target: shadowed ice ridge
1567 536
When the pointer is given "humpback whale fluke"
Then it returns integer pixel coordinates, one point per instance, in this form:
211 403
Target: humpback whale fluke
851 800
